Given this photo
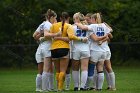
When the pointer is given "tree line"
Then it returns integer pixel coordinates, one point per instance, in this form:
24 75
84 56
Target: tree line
20 18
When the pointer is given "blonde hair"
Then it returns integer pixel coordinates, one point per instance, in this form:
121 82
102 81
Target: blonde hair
81 17
97 17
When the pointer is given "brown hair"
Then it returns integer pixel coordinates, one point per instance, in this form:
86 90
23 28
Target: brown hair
50 13
89 15
64 16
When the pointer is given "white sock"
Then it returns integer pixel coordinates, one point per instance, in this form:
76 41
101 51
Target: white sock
112 79
45 81
75 75
67 80
89 82
51 81
95 78
84 75
100 80
38 81
107 78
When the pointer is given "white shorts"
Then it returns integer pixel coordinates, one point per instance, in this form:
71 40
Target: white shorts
41 53
77 55
96 56
108 55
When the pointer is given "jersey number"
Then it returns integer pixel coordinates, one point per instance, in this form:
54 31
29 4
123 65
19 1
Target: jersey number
81 33
100 31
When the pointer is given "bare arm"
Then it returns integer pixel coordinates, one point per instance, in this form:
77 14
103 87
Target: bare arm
83 27
36 35
47 34
96 38
66 39
110 36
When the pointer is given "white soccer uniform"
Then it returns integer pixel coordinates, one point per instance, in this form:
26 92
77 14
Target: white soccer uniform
80 49
98 52
43 49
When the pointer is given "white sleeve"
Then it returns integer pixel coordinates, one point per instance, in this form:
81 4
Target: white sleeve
91 29
108 30
47 27
38 29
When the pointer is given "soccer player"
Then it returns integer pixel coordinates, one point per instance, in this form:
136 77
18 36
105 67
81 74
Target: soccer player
98 52
80 53
37 34
45 52
60 48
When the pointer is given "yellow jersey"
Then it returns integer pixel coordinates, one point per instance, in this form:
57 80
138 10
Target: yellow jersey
68 31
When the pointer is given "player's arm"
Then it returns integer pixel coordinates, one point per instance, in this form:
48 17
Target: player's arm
96 38
111 30
110 36
36 35
81 26
72 36
49 34
66 39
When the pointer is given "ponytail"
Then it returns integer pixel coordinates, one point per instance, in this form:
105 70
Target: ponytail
99 20
97 17
64 17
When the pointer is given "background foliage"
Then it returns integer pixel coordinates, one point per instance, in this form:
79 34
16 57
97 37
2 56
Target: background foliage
20 18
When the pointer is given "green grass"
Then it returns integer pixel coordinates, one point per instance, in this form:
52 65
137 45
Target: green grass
23 81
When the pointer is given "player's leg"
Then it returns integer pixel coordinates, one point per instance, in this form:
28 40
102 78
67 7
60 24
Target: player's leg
39 60
51 78
89 83
100 75
111 74
84 72
63 67
46 74
68 76
75 69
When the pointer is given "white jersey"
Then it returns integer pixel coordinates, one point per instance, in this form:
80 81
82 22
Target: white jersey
99 30
78 44
46 26
43 49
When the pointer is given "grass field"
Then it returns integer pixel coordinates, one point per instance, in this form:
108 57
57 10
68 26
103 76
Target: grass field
23 81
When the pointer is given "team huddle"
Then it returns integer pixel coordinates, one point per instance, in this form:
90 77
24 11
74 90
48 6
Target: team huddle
82 47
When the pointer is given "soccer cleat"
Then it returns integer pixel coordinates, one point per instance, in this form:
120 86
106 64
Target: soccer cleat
44 91
91 88
38 90
108 88
67 88
112 89
82 89
98 89
76 89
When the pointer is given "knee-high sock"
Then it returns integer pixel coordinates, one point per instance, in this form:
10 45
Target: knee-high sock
84 75
89 82
38 81
100 80
107 78
112 79
75 75
57 79
67 80
61 80
51 81
95 78
45 80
